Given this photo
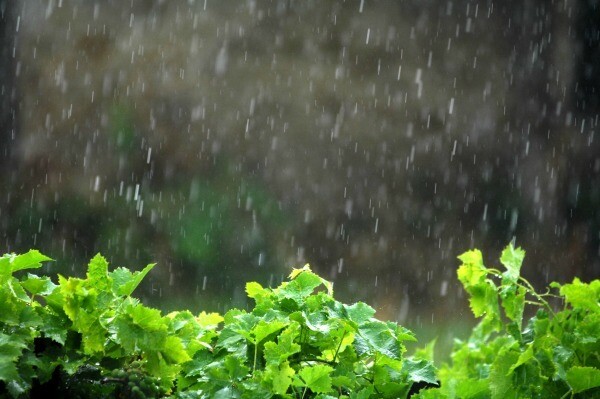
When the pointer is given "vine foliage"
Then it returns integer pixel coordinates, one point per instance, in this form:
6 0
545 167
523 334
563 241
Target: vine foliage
553 354
88 337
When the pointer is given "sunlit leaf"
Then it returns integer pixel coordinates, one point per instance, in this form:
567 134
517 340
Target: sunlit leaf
581 295
317 378
29 260
512 259
125 282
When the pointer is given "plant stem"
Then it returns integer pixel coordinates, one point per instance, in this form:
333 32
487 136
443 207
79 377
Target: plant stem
255 356
339 346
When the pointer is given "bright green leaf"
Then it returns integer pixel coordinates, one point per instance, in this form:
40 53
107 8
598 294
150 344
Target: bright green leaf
174 350
280 376
583 378
419 370
29 260
209 320
512 259
359 312
38 285
254 289
581 295
280 351
263 329
376 336
317 378
296 272
125 282
513 302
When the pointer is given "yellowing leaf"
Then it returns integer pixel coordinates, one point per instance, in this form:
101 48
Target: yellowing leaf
254 289
296 272
209 321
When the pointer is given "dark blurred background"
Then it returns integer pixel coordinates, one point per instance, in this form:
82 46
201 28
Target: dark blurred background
231 140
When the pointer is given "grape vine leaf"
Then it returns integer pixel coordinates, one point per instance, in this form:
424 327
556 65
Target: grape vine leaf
278 352
281 377
317 378
419 370
379 337
11 349
359 312
580 295
97 273
29 260
512 259
38 285
583 378
125 282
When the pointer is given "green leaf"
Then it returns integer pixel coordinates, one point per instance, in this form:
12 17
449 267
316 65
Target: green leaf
583 378
483 299
483 294
317 378
301 286
235 368
11 348
513 302
581 295
280 351
174 350
359 312
148 318
55 327
125 282
512 259
296 272
472 271
81 306
364 393
419 370
500 374
97 273
38 285
209 321
524 357
254 289
29 260
139 328
17 290
281 377
226 393
376 336
265 328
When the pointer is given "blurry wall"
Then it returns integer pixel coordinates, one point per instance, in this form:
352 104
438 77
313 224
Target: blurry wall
377 140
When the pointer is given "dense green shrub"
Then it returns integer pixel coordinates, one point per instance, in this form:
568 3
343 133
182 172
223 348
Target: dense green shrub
554 354
90 338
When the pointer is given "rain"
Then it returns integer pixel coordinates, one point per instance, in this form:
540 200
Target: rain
231 141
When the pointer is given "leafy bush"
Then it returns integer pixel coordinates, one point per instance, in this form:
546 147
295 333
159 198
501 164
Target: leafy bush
90 338
551 355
